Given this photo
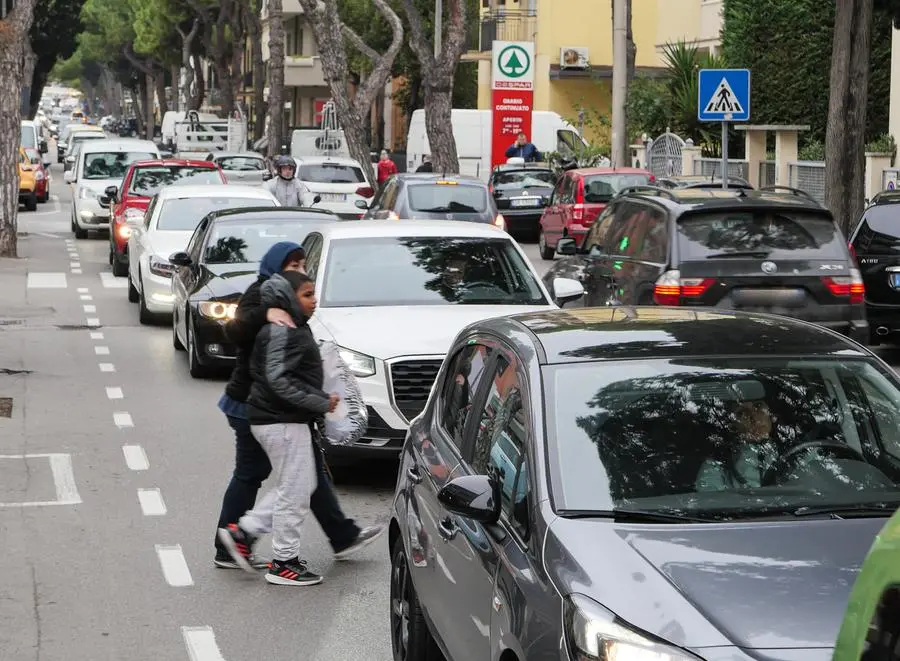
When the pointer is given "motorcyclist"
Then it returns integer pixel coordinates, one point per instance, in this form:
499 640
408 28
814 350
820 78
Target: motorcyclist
288 190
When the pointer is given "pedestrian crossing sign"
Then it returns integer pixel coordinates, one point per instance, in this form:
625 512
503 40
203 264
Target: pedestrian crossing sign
724 95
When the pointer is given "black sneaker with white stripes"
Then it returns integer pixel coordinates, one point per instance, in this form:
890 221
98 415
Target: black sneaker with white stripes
239 544
365 537
291 572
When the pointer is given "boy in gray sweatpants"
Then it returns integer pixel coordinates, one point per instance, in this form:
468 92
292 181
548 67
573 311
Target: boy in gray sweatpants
285 399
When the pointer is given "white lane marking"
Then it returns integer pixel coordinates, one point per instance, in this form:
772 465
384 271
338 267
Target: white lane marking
63 480
89 308
101 351
114 393
112 282
122 419
152 503
76 271
107 367
93 321
83 290
135 457
86 297
95 335
174 566
201 644
75 265
47 281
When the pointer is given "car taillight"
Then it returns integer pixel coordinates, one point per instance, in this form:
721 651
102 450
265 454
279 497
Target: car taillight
652 179
851 286
670 288
852 251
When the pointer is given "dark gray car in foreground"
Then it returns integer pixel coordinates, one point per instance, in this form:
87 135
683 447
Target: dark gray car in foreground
655 484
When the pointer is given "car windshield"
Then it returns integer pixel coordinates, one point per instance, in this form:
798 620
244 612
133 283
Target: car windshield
448 198
111 165
147 181
34 155
81 136
27 136
777 233
724 438
330 173
244 243
242 164
427 271
524 179
601 188
181 214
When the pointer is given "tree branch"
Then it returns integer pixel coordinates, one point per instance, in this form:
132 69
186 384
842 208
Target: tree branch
358 43
453 43
418 40
144 67
382 64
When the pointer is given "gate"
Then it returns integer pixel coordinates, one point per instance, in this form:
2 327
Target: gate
664 155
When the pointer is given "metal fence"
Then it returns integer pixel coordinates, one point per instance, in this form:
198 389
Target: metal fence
767 173
503 25
808 176
712 167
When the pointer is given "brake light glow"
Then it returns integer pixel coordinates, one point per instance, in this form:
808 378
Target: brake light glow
392 215
670 288
851 286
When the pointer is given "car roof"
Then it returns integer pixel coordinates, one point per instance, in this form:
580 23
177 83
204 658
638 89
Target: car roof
123 143
179 162
424 177
277 214
622 333
596 171
212 190
521 166
681 200
91 128
232 154
337 160
401 228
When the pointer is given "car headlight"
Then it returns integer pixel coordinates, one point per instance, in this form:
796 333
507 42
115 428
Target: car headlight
359 363
217 310
593 633
87 194
161 267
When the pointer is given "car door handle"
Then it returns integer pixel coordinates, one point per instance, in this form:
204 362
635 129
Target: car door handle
412 473
447 529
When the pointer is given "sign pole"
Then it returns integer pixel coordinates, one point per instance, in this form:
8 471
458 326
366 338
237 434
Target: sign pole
723 95
724 155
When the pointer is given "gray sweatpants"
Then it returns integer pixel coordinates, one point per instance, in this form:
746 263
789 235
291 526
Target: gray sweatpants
285 506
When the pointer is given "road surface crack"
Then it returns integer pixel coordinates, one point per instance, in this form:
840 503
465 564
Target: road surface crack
37 613
12 372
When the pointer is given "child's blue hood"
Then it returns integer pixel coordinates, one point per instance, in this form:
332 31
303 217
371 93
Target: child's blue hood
274 258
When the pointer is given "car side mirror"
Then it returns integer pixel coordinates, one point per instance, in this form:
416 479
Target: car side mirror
112 192
180 259
267 176
566 247
361 204
69 177
475 497
566 290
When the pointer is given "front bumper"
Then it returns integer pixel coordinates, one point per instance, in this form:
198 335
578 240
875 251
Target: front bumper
157 292
213 349
25 193
90 215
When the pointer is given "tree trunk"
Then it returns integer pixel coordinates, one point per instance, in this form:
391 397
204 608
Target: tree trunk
14 31
161 99
275 130
258 67
412 101
28 77
848 96
437 78
238 35
198 94
149 120
379 121
138 97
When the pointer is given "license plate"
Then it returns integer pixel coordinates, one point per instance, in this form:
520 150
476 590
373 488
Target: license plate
895 280
333 197
525 202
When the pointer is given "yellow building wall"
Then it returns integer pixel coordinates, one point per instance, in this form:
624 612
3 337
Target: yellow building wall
681 24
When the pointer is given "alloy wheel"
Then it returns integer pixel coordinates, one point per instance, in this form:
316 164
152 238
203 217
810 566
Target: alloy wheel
400 598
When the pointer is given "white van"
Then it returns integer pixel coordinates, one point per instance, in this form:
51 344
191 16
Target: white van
173 117
472 131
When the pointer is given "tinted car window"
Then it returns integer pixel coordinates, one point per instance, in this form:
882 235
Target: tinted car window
27 136
642 234
242 243
780 233
727 437
879 231
147 181
523 179
183 214
462 384
437 198
111 165
330 173
427 271
601 188
242 164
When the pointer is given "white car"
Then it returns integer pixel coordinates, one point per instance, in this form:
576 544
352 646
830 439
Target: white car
339 182
100 164
394 295
245 168
168 224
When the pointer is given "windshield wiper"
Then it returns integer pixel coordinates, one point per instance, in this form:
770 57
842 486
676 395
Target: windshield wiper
633 516
436 210
840 511
739 253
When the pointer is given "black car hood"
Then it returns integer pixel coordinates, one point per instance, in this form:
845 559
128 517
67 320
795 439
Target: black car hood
774 585
226 280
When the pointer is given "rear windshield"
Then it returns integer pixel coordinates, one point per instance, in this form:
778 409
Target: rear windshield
184 213
601 188
28 136
331 173
448 198
242 164
785 233
111 165
879 231
147 181
524 179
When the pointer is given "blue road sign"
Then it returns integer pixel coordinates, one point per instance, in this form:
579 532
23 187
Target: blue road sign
724 95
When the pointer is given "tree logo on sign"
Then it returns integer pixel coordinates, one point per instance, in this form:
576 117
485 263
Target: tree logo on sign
514 62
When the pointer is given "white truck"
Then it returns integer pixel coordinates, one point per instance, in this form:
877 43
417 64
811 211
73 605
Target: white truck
200 134
472 131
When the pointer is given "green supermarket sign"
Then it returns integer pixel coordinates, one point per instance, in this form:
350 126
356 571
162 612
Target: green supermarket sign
514 61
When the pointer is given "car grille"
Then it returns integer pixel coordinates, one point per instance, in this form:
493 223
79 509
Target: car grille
411 382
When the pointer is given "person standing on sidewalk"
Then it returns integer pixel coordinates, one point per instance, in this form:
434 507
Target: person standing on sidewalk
386 167
252 466
286 399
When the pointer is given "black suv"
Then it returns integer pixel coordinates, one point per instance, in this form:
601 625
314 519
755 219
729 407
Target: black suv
876 245
521 192
702 181
770 250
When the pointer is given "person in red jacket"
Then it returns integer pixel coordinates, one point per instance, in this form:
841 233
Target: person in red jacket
386 167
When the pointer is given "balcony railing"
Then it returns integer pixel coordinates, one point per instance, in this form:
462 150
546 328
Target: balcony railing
502 25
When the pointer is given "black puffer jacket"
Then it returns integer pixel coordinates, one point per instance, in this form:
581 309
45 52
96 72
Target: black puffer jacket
286 366
242 331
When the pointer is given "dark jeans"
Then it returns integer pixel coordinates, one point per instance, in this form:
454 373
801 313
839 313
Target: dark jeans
252 467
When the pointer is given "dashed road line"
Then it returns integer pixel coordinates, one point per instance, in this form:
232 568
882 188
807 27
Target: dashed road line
110 281
75 265
93 321
122 419
96 335
174 566
90 308
107 367
86 297
135 457
101 351
152 503
201 644
83 290
114 393
76 271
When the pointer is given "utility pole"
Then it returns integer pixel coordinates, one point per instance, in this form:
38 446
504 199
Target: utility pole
619 83
438 26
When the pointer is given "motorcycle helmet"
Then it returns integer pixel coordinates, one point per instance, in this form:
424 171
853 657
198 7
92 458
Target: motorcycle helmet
282 162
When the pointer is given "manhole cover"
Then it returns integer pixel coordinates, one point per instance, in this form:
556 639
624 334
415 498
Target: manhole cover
5 407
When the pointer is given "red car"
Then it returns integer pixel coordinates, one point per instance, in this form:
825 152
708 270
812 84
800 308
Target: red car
41 174
142 181
579 198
